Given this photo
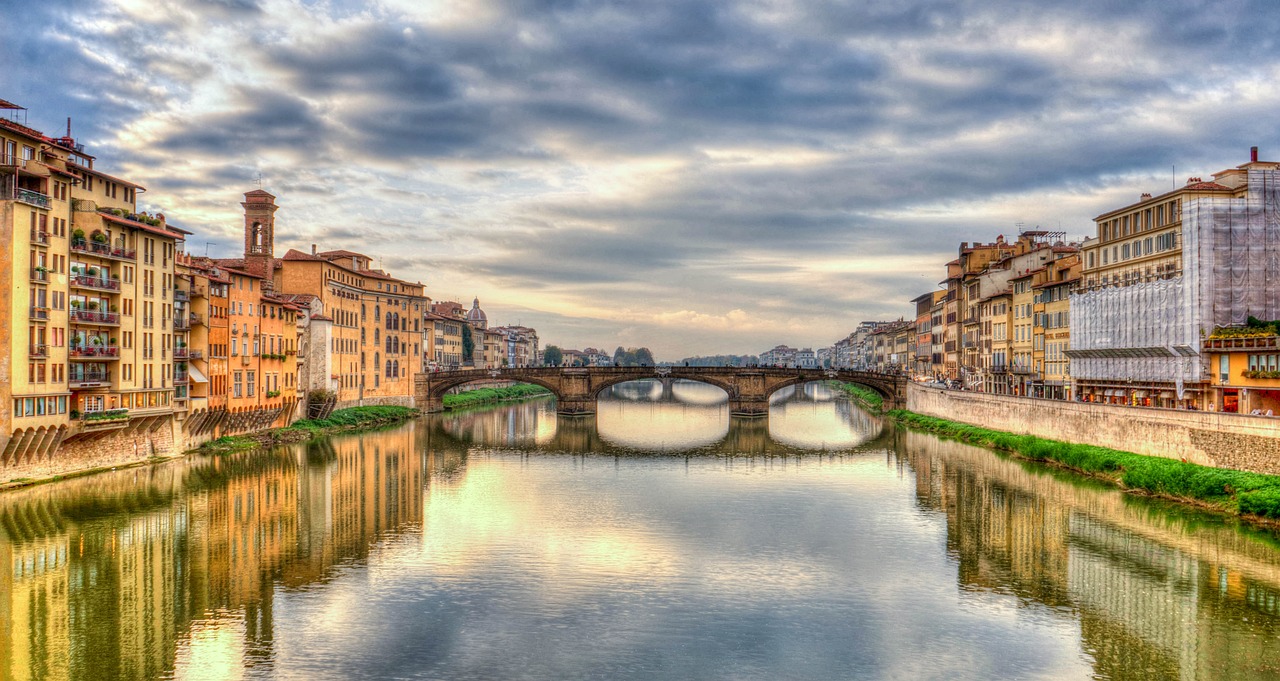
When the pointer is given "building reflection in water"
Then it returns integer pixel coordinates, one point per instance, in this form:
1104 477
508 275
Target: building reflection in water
1159 592
138 573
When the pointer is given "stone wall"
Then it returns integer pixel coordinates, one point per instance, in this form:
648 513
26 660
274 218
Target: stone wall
391 401
115 448
1209 438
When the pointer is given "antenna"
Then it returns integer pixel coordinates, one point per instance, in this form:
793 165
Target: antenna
259 179
206 248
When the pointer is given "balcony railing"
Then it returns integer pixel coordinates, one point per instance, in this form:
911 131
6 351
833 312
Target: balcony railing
29 197
84 379
118 251
38 314
180 295
90 281
195 354
1243 343
181 353
94 317
39 238
181 322
38 274
38 351
95 352
181 378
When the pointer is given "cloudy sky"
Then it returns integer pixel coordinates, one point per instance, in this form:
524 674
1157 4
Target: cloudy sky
697 177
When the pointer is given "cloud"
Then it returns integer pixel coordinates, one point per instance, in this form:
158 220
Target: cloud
599 167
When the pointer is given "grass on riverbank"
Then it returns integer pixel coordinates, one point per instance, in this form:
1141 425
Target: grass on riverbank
863 395
1229 490
472 398
354 418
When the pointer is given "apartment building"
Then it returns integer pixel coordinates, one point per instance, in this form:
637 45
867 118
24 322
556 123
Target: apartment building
522 346
89 298
1162 273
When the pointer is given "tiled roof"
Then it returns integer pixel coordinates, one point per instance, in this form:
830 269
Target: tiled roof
141 225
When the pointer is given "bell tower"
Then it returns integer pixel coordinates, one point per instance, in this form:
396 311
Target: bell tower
259 232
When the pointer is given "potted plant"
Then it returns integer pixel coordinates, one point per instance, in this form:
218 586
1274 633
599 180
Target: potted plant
75 304
115 308
93 305
93 271
99 238
78 233
41 269
113 342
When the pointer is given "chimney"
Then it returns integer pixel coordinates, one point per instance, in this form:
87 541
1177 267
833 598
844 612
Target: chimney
1253 154
313 249
355 263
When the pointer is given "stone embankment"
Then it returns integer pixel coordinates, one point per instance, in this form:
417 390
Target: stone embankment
1236 441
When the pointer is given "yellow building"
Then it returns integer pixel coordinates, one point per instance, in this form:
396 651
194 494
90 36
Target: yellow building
1052 328
1244 370
88 310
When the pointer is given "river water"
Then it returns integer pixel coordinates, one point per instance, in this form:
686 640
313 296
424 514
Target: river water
660 539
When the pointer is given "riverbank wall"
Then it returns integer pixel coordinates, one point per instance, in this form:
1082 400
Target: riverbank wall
1236 441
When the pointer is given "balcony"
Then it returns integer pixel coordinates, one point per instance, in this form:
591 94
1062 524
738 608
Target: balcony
39 238
181 296
101 250
109 419
94 352
195 354
88 379
195 319
12 161
30 197
94 317
181 353
181 378
38 314
38 351
1243 343
97 283
181 322
39 274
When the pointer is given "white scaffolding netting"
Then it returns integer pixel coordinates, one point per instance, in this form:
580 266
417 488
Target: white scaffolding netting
1151 331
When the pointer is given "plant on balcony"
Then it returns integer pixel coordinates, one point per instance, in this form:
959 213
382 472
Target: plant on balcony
1261 373
76 304
75 413
98 238
93 271
95 341
115 308
113 341
115 276
273 393
41 269
93 305
108 415
78 233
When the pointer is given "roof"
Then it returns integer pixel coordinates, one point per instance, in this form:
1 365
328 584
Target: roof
142 225
343 254
295 254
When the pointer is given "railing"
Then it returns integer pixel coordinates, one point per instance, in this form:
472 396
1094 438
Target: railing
94 317
83 378
195 319
38 314
181 323
12 160
194 354
39 238
38 274
180 295
31 198
38 351
1245 343
181 378
82 245
90 281
180 353
95 351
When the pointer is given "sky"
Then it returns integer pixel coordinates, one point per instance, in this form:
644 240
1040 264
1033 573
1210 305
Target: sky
695 177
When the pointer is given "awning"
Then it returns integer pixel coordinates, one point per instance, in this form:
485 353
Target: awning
1167 395
195 374
1109 392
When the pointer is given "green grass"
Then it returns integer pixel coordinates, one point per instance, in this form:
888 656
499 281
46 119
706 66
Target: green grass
866 396
356 417
1234 491
490 395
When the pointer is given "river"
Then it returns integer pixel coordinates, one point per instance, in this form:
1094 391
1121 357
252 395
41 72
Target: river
660 539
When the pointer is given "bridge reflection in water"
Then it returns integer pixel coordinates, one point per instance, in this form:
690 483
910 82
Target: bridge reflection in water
652 416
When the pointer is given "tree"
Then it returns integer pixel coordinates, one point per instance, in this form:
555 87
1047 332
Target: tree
468 345
620 357
552 356
643 357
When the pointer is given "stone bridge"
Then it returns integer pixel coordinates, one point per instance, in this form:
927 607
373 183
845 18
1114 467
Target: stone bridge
576 388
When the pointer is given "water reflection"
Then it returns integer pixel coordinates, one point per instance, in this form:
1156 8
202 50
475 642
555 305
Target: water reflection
500 544
1158 591
675 416
170 569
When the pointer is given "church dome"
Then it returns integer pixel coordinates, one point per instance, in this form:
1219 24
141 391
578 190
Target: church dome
476 316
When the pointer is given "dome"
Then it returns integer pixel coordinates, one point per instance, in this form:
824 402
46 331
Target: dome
476 316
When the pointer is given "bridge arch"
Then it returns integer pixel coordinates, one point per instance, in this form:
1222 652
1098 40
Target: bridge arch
727 387
441 388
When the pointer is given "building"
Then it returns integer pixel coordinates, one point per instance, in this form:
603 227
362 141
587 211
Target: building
779 356
446 319
1161 274
88 303
522 346
1244 369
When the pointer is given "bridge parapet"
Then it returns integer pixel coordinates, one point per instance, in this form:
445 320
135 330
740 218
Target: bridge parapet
576 388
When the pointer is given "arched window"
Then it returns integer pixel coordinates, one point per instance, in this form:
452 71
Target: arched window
395 369
388 368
